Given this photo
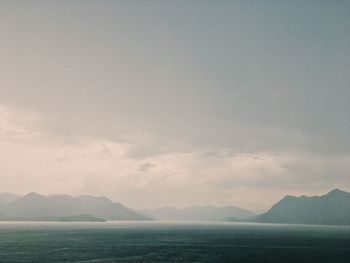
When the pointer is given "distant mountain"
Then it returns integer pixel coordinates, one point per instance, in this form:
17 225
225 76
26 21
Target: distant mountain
37 207
80 218
332 208
6 198
199 213
74 218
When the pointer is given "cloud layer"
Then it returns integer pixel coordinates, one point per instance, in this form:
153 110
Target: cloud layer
144 171
175 103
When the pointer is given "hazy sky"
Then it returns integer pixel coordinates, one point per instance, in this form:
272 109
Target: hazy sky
155 103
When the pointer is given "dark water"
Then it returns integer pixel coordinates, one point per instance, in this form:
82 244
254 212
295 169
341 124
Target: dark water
167 242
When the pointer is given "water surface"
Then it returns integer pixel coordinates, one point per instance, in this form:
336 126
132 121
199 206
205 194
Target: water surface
171 242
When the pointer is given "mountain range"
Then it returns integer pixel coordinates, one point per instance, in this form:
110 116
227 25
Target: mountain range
37 207
332 208
198 213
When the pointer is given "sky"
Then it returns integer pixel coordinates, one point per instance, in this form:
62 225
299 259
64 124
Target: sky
175 103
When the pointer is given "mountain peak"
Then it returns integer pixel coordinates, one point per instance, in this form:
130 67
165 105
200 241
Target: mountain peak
337 191
33 195
332 208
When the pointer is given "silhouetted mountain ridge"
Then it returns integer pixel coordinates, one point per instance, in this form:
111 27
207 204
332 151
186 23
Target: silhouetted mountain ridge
199 213
34 206
332 208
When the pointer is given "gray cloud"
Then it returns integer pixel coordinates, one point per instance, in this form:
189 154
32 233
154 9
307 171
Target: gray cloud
145 167
159 89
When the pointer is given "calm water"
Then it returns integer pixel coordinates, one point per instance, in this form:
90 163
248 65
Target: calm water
172 242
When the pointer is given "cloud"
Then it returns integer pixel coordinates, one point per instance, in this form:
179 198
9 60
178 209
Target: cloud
34 160
18 124
243 107
146 166
271 84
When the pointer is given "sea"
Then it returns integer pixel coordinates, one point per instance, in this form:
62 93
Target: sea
132 242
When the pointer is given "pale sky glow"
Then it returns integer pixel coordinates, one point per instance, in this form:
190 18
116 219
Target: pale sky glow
159 103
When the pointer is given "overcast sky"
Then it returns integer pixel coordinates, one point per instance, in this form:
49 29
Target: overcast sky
158 103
